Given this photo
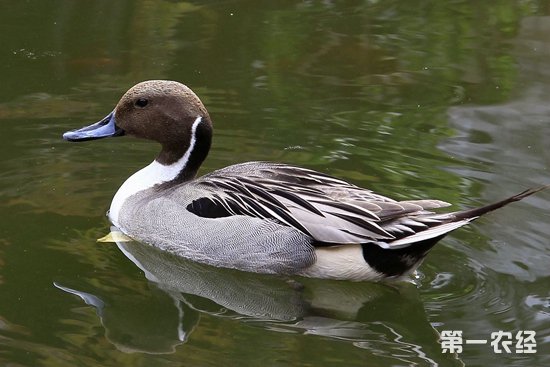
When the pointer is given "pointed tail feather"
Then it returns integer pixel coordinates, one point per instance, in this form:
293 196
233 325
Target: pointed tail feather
477 212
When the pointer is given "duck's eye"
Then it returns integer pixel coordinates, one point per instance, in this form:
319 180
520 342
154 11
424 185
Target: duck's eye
141 102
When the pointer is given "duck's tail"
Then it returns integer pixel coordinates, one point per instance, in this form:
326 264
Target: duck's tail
477 212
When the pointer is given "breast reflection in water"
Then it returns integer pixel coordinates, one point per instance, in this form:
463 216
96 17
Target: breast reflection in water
371 316
166 325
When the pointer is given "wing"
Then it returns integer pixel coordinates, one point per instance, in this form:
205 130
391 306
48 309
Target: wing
331 211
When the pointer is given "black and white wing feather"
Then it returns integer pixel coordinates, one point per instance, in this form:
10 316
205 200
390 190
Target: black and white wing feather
331 211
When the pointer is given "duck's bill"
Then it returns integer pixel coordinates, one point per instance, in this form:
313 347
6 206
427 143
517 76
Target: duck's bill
102 129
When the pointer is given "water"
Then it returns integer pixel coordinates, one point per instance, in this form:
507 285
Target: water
411 99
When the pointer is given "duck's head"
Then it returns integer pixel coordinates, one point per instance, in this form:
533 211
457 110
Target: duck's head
164 111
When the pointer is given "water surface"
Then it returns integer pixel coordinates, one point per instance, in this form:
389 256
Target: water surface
411 99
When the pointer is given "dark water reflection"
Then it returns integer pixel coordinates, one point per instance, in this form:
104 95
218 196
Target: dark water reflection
411 99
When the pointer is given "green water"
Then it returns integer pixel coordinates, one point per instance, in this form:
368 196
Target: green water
412 99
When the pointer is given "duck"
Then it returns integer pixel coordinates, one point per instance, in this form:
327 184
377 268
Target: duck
260 217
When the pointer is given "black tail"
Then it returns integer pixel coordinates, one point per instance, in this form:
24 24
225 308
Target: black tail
477 212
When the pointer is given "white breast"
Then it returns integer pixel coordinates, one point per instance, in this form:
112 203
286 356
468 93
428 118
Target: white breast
145 178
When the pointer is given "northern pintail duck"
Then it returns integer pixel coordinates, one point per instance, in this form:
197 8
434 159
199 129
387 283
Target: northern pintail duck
259 216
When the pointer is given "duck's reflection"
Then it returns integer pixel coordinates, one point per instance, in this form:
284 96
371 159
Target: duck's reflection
223 291
378 317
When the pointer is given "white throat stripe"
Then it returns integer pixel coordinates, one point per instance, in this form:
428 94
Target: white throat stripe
182 162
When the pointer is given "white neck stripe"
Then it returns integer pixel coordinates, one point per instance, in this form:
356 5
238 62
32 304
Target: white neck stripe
182 162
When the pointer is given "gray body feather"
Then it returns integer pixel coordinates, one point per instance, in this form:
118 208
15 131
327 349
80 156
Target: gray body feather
269 217
240 242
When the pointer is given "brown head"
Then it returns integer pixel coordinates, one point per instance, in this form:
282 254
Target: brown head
164 111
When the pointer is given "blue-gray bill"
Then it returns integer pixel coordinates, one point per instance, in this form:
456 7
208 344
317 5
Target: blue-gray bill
107 127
